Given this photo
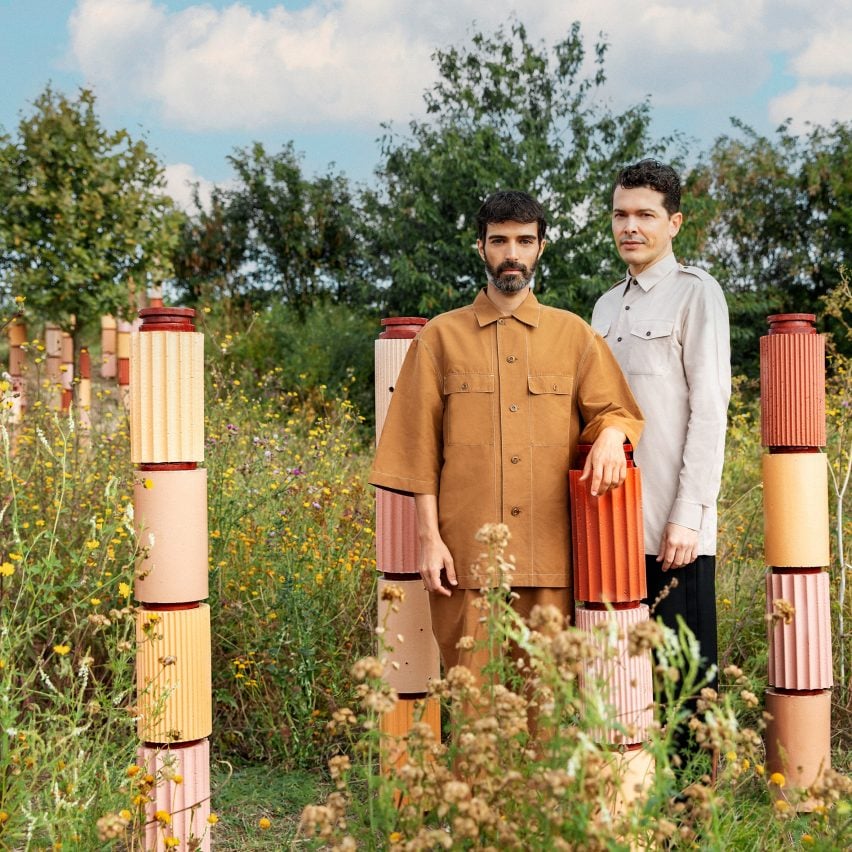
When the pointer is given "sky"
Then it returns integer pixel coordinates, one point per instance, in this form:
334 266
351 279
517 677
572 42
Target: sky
198 80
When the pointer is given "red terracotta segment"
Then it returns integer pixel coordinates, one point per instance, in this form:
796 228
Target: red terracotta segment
624 681
413 659
608 541
800 652
792 390
397 544
187 802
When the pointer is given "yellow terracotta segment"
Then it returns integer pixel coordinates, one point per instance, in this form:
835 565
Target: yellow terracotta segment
170 517
122 348
795 510
409 645
167 397
187 802
173 675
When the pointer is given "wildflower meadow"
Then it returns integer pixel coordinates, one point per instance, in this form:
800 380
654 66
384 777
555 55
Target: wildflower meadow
298 757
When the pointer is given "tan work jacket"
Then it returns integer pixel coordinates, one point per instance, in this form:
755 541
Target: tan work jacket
487 413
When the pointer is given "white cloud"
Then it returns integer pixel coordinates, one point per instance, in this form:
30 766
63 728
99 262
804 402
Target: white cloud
180 180
814 103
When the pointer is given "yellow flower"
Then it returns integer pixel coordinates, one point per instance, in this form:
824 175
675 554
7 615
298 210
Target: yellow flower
132 770
148 484
782 806
263 823
124 590
394 837
93 544
171 842
163 817
731 755
125 814
212 819
807 838
758 768
95 601
62 650
778 779
178 779
7 569
3 817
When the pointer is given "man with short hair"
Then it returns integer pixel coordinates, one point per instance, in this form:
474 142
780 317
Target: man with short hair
484 422
667 326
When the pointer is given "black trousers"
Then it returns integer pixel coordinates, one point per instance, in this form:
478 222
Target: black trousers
694 600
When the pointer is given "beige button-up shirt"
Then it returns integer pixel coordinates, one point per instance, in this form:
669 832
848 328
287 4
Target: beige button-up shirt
670 335
487 413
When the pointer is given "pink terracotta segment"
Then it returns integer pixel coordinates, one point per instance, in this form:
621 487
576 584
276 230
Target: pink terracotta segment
389 355
795 510
798 741
624 681
792 390
170 517
173 675
800 652
608 541
187 802
413 659
397 544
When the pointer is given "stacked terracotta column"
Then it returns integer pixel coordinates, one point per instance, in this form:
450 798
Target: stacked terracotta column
17 339
795 495
412 653
609 582
173 673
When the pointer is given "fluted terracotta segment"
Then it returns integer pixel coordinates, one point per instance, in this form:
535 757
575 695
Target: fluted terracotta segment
173 674
170 516
389 355
413 657
398 722
625 681
188 802
800 652
109 345
798 741
608 541
795 510
167 397
397 545
792 389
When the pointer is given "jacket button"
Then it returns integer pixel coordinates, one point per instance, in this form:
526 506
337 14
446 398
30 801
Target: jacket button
555 387
515 459
627 307
501 321
511 359
647 334
464 386
516 510
513 407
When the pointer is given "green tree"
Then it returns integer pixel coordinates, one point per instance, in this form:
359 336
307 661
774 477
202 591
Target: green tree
84 220
276 235
505 113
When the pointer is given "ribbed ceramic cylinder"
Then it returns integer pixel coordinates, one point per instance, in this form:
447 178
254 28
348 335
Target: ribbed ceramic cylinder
410 648
109 345
173 674
170 516
186 801
624 681
795 510
396 723
800 652
798 737
397 544
167 397
792 383
608 539
390 349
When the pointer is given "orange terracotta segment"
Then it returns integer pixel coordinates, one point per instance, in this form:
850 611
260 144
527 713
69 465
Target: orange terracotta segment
624 681
413 659
187 803
397 544
608 541
795 510
389 355
17 331
396 724
798 739
170 518
800 652
173 675
109 344
792 390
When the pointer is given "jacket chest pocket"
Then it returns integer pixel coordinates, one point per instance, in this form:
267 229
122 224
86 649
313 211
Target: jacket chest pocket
551 409
469 417
652 347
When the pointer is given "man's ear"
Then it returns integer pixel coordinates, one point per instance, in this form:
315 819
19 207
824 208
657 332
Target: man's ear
541 248
480 247
675 221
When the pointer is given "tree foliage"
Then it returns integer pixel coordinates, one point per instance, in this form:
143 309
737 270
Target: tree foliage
83 217
505 113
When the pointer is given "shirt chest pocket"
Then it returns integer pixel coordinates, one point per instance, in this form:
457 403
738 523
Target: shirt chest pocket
551 408
652 347
469 417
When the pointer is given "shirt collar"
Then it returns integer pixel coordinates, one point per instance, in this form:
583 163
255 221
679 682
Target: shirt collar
654 274
486 312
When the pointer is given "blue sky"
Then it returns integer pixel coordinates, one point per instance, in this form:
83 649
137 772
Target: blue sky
199 79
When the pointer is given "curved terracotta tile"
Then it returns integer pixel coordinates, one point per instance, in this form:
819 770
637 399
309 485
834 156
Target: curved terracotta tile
397 544
625 681
795 510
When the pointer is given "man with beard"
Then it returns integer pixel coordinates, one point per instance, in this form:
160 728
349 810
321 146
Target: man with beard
484 422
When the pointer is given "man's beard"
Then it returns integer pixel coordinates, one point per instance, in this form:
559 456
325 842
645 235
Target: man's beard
509 283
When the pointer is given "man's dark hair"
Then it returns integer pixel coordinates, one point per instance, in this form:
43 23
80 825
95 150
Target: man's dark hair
654 174
510 205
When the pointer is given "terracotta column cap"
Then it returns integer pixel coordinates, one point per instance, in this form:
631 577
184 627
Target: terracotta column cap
401 327
167 319
792 323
